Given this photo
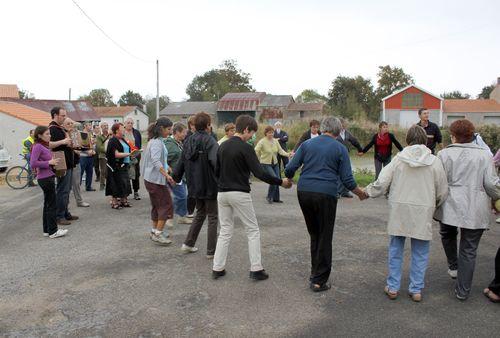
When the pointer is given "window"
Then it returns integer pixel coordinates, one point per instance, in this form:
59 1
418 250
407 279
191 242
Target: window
116 121
137 125
413 100
301 114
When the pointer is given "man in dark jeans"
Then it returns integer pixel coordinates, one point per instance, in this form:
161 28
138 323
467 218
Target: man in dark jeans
282 137
134 137
59 141
434 136
87 156
198 161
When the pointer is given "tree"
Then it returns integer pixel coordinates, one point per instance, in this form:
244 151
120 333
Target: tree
456 94
349 94
215 83
310 96
391 79
486 91
99 98
131 99
25 94
151 105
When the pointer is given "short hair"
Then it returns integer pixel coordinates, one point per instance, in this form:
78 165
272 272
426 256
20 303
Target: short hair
154 129
278 123
178 127
382 123
463 130
229 126
421 110
314 123
246 122
416 135
116 126
331 125
87 123
201 121
190 121
268 129
55 111
39 131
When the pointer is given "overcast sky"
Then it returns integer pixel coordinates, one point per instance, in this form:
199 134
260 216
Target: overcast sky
286 46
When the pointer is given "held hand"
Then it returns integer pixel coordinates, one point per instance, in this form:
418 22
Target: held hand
170 180
287 183
363 196
360 153
292 154
67 141
54 161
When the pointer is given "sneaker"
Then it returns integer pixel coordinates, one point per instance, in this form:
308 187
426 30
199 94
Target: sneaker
91 189
136 196
188 249
63 222
184 220
83 205
460 297
498 220
259 275
45 234
160 239
218 274
59 233
169 224
190 215
416 297
452 273
210 256
392 295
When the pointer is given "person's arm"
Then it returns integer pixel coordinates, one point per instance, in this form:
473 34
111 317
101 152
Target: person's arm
369 145
380 186
212 153
281 151
295 163
258 148
491 182
156 151
354 141
256 168
395 141
440 182
179 169
438 136
34 160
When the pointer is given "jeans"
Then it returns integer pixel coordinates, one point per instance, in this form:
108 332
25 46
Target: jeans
466 260
319 212
48 186
230 204
135 181
204 209
180 199
63 187
379 165
419 259
87 168
273 193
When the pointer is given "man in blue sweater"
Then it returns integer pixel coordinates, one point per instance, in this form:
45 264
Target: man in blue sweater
325 163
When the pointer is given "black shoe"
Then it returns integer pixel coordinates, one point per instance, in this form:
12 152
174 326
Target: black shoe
72 218
136 196
218 274
320 288
259 275
279 201
91 189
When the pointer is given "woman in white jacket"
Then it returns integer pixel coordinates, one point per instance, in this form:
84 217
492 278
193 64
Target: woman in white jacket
418 185
473 183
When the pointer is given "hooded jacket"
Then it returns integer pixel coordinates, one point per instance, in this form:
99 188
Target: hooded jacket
198 162
418 185
473 183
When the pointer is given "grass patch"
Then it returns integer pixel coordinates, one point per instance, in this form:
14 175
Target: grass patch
362 177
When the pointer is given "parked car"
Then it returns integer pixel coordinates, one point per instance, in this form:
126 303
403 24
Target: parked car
4 159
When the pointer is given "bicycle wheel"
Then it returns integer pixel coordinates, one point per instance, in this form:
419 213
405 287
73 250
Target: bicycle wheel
17 177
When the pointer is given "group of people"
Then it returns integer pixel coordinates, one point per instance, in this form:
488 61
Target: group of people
186 168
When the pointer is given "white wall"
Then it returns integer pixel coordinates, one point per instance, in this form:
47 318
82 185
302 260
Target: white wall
12 132
111 120
141 120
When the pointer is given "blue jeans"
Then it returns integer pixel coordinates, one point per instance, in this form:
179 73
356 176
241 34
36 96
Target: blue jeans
63 188
419 260
87 167
273 193
180 199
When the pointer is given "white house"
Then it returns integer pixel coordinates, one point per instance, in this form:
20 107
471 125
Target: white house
113 115
16 121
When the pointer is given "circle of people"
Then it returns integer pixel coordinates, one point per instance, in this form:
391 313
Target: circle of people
212 180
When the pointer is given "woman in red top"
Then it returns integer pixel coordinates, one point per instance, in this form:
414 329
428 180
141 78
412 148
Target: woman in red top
383 142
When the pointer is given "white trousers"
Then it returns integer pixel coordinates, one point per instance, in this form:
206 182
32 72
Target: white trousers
240 204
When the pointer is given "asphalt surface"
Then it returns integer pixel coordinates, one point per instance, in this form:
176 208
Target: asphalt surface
106 278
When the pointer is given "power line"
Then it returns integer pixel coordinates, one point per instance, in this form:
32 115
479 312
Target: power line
109 37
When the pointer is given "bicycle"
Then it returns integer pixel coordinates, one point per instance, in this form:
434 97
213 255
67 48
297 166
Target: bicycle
18 177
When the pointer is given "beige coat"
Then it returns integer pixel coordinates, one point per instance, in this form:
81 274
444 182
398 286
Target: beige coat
473 183
418 185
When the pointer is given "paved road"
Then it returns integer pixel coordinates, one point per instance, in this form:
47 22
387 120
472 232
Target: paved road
108 279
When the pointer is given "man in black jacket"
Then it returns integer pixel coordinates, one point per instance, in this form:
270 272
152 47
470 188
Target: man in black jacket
235 160
434 136
311 133
347 139
198 161
282 138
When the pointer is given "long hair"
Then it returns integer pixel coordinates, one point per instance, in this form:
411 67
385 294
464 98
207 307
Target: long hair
154 129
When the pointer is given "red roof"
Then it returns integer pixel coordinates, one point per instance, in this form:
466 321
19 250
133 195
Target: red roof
471 106
25 113
114 111
9 90
240 101
315 106
77 110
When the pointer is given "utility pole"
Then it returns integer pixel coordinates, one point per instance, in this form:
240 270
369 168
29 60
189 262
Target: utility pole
157 89
70 94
